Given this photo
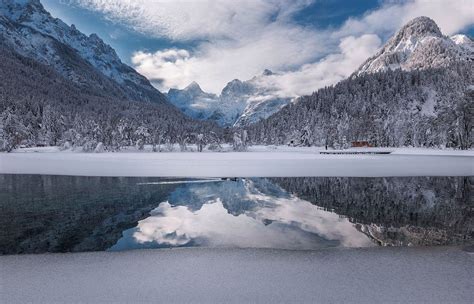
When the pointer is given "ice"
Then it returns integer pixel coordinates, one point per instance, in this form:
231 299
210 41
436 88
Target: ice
380 275
259 161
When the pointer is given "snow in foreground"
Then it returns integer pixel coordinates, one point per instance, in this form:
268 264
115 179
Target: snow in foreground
380 275
258 162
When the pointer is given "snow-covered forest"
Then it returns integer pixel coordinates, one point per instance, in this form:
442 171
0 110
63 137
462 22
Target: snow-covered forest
39 107
429 108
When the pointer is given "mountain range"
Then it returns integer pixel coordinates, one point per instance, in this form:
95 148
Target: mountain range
240 103
61 87
417 45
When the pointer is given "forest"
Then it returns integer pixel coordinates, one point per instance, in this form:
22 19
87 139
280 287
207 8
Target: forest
421 108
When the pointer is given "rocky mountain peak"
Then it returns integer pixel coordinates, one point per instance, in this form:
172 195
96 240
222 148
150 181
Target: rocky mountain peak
418 28
194 87
236 87
417 45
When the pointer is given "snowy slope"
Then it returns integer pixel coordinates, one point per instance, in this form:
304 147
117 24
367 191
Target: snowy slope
419 45
240 102
464 42
33 32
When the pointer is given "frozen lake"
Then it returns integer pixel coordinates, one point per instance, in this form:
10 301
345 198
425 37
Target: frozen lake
70 214
377 275
259 161
287 239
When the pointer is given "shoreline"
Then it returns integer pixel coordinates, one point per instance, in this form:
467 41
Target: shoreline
300 163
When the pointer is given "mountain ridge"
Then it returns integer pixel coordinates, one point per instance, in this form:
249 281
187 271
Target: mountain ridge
28 23
239 104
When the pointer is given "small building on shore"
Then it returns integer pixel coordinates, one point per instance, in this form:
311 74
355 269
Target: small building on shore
361 144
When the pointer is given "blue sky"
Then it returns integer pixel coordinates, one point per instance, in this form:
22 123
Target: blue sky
310 43
320 14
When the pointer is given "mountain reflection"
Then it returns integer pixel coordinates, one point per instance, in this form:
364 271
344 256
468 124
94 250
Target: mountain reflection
398 211
242 213
64 214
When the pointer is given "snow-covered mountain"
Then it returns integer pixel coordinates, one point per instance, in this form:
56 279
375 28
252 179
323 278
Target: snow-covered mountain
419 45
61 87
416 91
193 101
240 103
31 30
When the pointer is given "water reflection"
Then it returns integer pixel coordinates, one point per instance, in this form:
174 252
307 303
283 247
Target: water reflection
243 213
64 213
401 211
61 214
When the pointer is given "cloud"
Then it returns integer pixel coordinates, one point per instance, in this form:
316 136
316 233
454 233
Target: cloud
167 68
451 16
239 39
332 69
196 19
215 63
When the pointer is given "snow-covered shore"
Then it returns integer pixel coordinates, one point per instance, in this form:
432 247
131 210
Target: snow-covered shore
401 275
258 162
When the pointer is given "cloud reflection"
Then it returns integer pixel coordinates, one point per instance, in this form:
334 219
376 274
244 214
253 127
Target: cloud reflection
275 220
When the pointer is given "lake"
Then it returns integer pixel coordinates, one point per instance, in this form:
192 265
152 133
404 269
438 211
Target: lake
42 213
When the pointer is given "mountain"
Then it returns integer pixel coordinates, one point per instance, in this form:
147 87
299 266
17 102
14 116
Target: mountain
240 103
29 29
417 91
419 45
193 101
61 87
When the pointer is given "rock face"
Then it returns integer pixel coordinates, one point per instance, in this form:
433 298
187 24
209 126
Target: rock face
239 104
28 28
419 45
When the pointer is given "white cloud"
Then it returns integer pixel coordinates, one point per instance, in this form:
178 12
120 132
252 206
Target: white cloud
332 69
451 16
215 63
195 19
239 39
167 68
296 224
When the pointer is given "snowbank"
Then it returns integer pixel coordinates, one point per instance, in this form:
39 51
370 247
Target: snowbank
401 275
258 162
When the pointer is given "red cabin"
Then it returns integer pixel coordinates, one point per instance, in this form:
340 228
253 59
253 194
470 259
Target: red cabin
361 144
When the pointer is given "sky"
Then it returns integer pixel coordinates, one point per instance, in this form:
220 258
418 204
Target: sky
309 44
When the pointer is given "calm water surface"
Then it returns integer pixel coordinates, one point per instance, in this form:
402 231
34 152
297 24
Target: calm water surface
69 214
